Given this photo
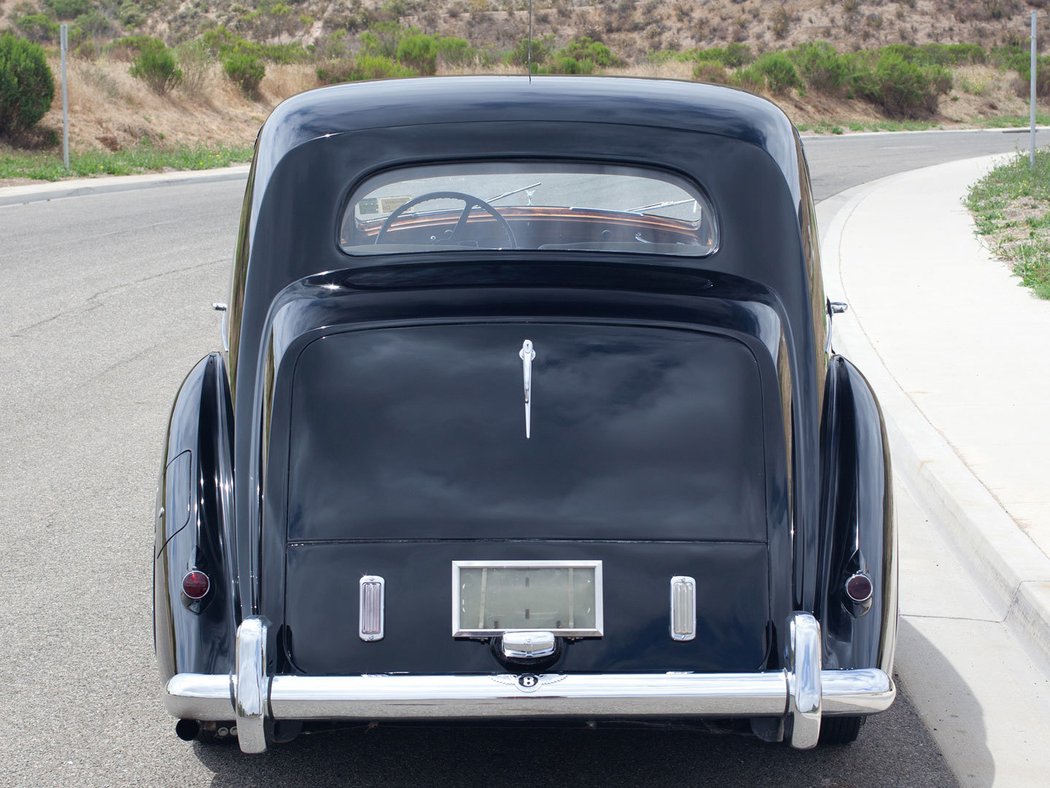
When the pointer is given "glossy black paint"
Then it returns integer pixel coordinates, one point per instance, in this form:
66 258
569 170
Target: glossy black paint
194 518
323 365
858 523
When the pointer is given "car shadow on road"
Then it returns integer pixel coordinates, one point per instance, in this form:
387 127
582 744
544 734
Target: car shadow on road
954 713
894 749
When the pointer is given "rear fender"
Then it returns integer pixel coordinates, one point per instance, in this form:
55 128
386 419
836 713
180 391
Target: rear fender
194 527
857 521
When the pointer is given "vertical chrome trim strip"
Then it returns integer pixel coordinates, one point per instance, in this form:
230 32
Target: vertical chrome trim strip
250 685
683 608
371 608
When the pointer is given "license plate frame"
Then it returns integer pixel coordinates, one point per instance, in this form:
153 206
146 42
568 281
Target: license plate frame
476 628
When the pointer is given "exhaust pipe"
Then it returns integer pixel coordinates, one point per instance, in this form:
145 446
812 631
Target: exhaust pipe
187 730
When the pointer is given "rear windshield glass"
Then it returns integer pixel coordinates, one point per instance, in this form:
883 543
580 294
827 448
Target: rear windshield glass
528 205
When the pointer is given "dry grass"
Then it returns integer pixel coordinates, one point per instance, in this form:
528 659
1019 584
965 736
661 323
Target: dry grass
110 109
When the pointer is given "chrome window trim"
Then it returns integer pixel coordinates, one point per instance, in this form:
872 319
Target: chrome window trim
599 610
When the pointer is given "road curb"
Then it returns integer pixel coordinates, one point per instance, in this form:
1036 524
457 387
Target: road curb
21 195
1014 573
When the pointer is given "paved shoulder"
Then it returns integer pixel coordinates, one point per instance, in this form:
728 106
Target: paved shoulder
953 346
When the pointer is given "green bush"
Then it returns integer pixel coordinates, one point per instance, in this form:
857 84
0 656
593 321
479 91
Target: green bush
244 70
584 49
453 51
221 43
26 85
94 23
542 49
418 51
156 66
711 71
37 27
128 48
563 64
778 72
902 88
131 14
822 68
364 67
382 38
731 56
68 9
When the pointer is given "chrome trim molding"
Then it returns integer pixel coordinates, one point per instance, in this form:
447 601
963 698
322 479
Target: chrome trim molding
460 631
683 608
249 686
371 619
804 680
803 693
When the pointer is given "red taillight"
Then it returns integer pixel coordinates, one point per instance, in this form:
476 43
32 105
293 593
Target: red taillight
195 584
859 588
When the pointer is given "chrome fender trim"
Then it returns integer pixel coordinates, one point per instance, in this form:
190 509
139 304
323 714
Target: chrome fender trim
802 693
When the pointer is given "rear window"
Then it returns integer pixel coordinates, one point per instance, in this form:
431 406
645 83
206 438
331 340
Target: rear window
528 205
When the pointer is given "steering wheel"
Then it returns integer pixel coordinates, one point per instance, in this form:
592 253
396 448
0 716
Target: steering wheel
470 202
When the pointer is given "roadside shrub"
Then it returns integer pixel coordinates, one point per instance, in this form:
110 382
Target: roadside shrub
711 71
128 48
901 88
95 23
37 27
418 51
195 61
778 72
734 55
221 42
26 84
67 9
542 49
156 66
364 67
822 68
382 39
585 49
453 51
131 14
244 70
562 64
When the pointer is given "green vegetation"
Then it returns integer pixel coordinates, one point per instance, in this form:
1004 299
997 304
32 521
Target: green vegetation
37 27
363 67
133 161
244 70
26 85
155 65
1011 207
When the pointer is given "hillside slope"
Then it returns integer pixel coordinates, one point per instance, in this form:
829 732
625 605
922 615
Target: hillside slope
631 27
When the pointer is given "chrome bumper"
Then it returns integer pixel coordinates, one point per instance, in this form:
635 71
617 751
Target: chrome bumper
802 693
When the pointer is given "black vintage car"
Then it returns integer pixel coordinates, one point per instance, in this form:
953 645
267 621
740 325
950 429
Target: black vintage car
527 411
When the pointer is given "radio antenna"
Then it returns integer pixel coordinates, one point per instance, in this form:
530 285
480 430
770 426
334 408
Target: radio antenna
528 57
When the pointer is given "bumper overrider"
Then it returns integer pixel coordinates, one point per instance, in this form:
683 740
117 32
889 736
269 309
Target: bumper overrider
801 693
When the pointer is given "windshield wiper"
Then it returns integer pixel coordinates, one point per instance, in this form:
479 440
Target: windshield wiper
664 204
515 191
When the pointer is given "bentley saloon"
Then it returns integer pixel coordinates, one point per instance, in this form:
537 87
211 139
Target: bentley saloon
526 410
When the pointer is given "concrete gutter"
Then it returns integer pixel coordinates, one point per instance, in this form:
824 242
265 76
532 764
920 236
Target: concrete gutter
58 190
1013 569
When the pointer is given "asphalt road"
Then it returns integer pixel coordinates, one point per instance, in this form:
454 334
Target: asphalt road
104 307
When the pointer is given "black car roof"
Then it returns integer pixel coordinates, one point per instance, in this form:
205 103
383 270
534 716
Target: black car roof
687 106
